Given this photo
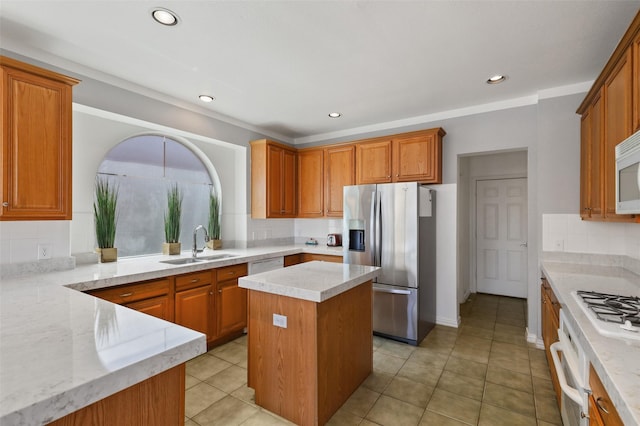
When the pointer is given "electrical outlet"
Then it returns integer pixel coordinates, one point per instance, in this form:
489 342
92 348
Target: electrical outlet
44 251
280 321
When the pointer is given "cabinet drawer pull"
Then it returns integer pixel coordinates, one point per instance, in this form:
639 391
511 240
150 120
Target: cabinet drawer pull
220 291
5 204
195 280
126 294
600 406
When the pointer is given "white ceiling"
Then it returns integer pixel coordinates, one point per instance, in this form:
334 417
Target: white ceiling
282 66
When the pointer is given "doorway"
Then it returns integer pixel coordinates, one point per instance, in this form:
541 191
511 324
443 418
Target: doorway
501 237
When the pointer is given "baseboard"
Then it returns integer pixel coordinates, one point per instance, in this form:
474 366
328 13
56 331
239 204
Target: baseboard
448 322
533 338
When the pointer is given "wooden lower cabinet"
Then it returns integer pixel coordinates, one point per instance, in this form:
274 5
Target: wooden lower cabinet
157 401
550 323
601 409
292 259
231 302
194 303
153 297
308 257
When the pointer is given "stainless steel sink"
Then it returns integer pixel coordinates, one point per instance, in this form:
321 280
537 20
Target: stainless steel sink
182 261
217 256
188 260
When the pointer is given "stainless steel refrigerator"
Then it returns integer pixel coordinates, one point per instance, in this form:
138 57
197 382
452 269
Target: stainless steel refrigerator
393 225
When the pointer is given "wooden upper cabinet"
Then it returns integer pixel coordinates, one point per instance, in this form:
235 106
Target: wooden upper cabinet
618 116
591 171
273 180
373 162
407 157
311 183
418 157
636 82
35 152
339 171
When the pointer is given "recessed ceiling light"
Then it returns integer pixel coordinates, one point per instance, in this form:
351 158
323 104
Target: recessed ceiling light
164 16
334 114
497 79
206 98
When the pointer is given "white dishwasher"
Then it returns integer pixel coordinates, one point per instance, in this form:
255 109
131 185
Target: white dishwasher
265 265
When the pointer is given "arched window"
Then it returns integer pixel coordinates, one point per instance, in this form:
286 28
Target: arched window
144 167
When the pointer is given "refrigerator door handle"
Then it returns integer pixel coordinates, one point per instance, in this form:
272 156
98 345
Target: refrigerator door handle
378 235
372 230
392 291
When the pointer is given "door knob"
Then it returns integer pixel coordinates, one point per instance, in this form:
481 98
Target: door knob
524 244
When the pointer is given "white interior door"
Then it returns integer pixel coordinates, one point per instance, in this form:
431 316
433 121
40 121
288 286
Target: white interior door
501 237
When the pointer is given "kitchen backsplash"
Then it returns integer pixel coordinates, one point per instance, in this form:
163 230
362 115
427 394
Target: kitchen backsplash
287 231
22 242
568 233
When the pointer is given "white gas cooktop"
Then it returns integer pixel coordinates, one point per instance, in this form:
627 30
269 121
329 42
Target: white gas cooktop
611 315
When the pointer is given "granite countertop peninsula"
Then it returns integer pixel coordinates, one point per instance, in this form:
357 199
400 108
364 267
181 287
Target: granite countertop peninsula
62 349
313 281
614 359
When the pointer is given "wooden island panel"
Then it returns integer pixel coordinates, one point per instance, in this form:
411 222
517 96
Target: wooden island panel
306 371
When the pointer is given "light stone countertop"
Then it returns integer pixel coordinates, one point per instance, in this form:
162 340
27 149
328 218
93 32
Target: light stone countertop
61 349
615 360
312 281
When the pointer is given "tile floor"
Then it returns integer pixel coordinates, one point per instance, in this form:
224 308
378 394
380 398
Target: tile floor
483 373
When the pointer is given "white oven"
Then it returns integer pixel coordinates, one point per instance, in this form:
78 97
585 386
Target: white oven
572 368
628 175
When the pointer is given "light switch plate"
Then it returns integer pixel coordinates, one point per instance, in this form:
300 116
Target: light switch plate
44 251
280 321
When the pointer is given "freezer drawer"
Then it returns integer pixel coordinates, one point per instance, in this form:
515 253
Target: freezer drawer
395 311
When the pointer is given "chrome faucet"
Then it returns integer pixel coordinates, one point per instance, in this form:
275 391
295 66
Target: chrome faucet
194 249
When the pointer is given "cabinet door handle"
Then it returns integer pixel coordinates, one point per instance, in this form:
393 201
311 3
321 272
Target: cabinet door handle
600 406
220 291
5 204
195 280
126 294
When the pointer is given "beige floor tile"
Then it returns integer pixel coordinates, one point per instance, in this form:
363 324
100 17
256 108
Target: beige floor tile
265 418
510 379
470 330
518 340
547 409
344 418
229 379
509 329
231 352
443 344
242 340
461 385
387 363
473 342
509 399
377 381
520 365
476 370
420 373
366 422
543 423
470 353
541 371
190 381
448 404
429 357
397 349
360 402
389 411
406 390
495 416
508 320
479 323
206 366
542 387
518 351
430 418
229 411
246 394
377 341
189 422
200 397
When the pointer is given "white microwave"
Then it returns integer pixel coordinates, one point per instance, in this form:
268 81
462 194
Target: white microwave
628 175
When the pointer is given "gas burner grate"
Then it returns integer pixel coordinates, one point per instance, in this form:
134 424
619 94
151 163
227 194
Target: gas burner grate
612 307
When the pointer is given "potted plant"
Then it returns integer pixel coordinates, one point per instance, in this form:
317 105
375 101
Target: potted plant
213 226
105 216
172 221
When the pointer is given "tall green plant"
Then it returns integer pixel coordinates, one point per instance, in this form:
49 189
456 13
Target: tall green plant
104 212
214 217
173 215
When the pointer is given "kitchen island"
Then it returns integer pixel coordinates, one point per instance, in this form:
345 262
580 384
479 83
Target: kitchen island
309 337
